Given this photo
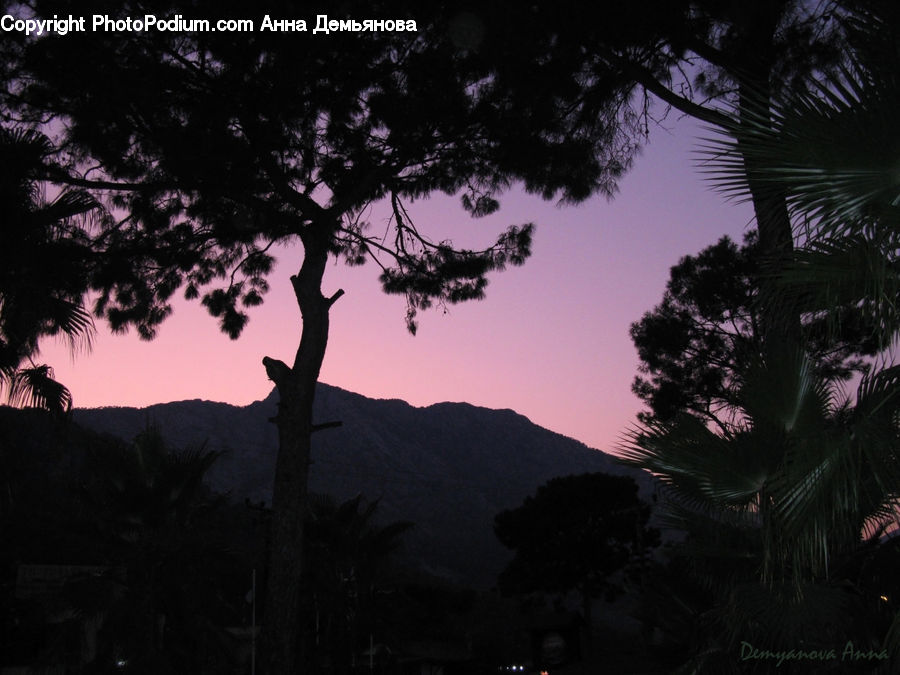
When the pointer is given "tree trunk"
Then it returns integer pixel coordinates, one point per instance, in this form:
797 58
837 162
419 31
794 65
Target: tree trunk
780 322
296 389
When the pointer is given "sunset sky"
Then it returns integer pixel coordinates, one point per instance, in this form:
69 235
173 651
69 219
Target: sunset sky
550 340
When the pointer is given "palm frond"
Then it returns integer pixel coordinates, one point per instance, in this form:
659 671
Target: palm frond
68 204
858 270
24 145
71 320
876 443
786 395
831 151
36 387
703 469
828 152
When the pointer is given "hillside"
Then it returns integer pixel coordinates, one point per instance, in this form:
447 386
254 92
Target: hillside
449 467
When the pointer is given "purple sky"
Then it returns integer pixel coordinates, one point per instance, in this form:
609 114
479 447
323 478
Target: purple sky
550 340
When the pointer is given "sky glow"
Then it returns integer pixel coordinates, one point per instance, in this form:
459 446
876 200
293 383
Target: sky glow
550 341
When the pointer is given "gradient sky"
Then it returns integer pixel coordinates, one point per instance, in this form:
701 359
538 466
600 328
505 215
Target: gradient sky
550 340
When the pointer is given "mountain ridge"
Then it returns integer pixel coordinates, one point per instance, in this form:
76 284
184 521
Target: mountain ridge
450 467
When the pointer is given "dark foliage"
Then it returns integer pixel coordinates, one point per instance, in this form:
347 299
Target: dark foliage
216 149
695 344
575 533
145 572
222 148
346 551
44 256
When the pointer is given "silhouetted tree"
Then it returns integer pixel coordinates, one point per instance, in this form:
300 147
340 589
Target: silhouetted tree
345 547
220 147
575 534
777 503
709 59
159 600
44 254
695 344
216 148
799 485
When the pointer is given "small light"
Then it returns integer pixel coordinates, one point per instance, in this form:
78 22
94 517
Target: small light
884 597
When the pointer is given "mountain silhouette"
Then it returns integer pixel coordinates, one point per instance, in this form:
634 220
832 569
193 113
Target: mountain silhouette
449 467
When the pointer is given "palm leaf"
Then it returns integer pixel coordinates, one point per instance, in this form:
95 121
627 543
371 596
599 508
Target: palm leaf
40 298
855 270
71 320
68 204
831 151
703 469
830 154
36 387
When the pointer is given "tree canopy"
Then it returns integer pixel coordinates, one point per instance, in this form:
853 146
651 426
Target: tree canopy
695 344
788 502
218 147
575 534
211 150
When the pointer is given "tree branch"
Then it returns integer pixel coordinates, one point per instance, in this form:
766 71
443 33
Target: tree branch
326 425
334 298
58 175
649 82
707 52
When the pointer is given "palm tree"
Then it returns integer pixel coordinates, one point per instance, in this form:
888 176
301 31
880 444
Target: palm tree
158 600
782 505
778 504
832 151
43 254
346 549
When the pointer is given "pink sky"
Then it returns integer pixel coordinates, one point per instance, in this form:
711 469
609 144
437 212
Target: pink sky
550 340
